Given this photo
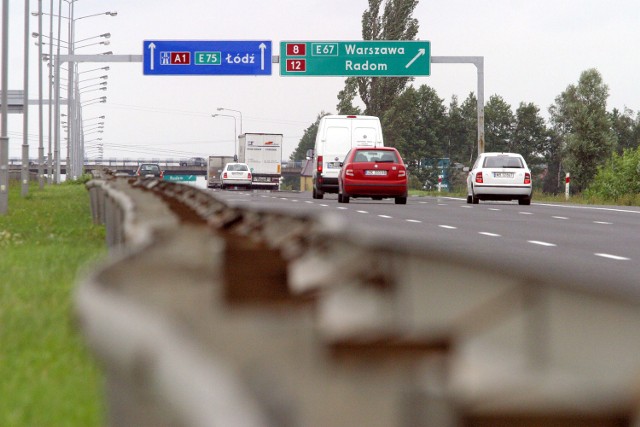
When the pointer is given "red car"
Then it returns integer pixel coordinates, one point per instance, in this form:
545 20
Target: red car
373 172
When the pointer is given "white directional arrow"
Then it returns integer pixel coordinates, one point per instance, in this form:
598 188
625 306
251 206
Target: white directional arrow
419 54
262 47
152 48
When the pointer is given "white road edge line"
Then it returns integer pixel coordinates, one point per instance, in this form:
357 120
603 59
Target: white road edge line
448 227
414 221
614 257
485 233
537 242
385 216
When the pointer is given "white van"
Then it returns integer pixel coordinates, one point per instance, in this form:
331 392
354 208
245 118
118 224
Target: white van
337 134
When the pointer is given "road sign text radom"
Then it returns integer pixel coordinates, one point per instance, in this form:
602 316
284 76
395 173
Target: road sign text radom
374 58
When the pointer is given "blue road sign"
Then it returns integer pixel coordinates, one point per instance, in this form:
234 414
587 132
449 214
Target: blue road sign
202 57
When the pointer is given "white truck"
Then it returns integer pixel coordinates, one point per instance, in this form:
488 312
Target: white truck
215 164
263 153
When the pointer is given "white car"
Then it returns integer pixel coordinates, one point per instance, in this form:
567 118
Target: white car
236 175
499 176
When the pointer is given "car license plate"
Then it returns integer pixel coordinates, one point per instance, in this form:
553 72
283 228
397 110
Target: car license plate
236 173
333 165
375 172
503 174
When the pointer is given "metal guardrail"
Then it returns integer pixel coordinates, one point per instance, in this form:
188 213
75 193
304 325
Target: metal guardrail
211 315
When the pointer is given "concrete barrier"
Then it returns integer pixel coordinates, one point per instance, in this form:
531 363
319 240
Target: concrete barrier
212 315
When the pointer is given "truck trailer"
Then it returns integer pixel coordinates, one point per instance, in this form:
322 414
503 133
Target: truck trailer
263 153
215 164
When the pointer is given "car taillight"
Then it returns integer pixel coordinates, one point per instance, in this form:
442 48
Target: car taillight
249 175
527 178
224 175
402 173
161 174
348 172
319 164
479 178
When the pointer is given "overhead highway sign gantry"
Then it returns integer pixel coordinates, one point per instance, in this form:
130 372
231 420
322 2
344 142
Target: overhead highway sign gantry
207 57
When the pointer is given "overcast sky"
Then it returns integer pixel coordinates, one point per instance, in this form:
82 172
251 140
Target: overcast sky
532 50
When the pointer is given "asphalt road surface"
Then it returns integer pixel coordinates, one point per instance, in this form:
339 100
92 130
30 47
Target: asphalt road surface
595 244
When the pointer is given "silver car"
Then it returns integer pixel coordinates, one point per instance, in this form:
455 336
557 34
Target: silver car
236 175
499 176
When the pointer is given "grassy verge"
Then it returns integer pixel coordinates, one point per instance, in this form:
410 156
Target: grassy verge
47 376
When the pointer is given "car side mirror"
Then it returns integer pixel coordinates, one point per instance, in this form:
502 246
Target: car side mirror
341 164
310 154
466 169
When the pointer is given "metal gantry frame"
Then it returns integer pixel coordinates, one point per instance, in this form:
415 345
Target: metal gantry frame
478 61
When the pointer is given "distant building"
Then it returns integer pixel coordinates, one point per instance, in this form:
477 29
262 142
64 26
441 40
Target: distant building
306 183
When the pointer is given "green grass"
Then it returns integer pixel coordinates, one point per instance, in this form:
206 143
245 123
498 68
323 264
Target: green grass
47 377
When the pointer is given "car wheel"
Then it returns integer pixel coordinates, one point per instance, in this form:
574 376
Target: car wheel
340 198
524 201
469 199
401 200
317 194
345 199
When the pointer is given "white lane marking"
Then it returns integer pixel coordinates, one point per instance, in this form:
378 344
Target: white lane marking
525 213
559 217
588 207
385 216
342 208
442 204
424 203
414 221
485 233
308 201
494 209
362 212
466 206
448 227
614 257
537 242
603 222
323 205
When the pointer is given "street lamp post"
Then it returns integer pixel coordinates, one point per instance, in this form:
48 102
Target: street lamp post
235 111
24 172
235 131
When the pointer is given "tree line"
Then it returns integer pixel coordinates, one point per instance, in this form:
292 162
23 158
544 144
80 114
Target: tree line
580 136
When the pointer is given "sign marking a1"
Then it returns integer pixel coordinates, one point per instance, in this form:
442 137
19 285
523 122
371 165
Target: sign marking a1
202 57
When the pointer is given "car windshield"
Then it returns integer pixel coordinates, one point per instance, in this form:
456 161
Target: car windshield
237 167
502 162
375 156
149 168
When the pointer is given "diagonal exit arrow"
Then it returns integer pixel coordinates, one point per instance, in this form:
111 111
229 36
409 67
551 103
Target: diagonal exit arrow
152 47
418 55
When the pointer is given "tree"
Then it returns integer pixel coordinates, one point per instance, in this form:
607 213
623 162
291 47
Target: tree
416 126
530 136
588 138
461 130
395 23
623 126
308 140
499 124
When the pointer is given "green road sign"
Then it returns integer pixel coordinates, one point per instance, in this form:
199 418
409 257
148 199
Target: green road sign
208 58
380 58
179 178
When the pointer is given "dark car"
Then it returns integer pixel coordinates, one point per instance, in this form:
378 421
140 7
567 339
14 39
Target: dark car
149 170
373 172
194 161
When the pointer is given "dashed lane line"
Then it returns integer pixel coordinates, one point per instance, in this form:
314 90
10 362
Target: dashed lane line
613 257
538 242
